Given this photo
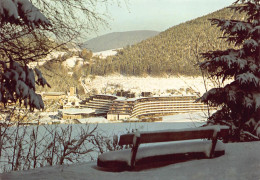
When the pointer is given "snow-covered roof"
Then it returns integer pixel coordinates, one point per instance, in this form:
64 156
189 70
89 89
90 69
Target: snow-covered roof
132 99
106 95
78 111
119 98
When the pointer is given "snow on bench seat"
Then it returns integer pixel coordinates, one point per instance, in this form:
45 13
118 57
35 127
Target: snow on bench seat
122 158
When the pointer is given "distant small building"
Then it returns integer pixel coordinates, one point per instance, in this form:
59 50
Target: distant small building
146 94
130 95
73 99
73 91
127 94
120 93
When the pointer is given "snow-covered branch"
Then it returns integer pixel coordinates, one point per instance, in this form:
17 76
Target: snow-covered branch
239 100
22 11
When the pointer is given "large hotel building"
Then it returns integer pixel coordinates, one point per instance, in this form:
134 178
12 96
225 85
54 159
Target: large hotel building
123 108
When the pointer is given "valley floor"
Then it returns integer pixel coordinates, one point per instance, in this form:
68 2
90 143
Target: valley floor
241 162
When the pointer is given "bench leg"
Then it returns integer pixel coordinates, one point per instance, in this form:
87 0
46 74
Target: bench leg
213 146
134 151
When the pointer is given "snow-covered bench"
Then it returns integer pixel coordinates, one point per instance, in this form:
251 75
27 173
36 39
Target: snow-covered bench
209 147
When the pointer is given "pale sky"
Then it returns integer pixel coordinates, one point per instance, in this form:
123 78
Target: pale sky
157 15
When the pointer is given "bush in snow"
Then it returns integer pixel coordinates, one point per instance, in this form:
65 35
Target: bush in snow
239 101
29 147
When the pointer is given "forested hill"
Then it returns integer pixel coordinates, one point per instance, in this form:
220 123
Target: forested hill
173 51
117 40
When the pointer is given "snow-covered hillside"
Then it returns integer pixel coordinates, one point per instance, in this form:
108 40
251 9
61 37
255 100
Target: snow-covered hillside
52 55
104 54
159 86
241 162
73 61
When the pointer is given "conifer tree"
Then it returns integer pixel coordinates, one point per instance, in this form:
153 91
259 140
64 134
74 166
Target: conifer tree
239 101
17 80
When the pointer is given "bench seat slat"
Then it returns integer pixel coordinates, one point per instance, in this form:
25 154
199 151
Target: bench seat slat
160 136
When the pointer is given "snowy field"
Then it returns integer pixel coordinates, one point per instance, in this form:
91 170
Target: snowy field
159 86
169 122
241 162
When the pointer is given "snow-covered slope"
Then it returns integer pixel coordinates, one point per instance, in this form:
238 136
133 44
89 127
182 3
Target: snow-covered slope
159 86
104 54
241 162
73 61
49 57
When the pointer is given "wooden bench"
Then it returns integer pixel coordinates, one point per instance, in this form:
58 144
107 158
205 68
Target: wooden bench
110 159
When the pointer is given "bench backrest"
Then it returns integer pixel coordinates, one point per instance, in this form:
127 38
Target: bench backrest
175 135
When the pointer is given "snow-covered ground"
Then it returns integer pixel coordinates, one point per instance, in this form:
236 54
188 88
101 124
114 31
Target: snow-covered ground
241 162
195 117
104 54
52 55
73 61
157 85
93 120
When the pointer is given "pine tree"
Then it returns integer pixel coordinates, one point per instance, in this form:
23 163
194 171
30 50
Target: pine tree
239 101
17 80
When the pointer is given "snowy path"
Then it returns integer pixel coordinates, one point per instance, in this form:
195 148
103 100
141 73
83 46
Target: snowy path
241 162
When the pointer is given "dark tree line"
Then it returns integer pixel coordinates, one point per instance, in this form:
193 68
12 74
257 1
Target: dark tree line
171 52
